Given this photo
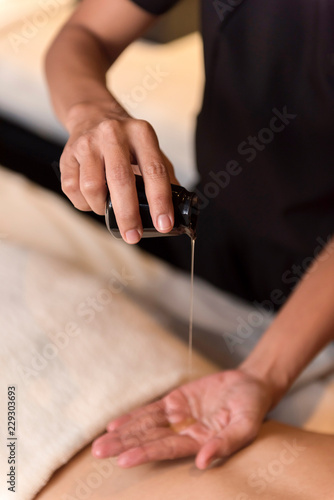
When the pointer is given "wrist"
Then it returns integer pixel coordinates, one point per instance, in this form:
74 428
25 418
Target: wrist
268 373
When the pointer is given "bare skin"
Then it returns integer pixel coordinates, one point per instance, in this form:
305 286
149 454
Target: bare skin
283 463
210 417
229 407
108 145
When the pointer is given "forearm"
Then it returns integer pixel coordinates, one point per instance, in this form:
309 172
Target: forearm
301 329
77 62
106 145
76 65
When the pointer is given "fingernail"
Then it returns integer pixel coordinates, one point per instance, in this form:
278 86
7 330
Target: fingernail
123 461
128 458
96 452
132 236
164 222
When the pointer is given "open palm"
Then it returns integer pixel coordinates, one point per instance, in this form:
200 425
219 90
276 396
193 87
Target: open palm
211 417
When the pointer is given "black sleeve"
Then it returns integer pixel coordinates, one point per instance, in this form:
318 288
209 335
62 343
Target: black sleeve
156 7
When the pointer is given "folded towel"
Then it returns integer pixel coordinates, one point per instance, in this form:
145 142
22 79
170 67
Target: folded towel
77 348
79 352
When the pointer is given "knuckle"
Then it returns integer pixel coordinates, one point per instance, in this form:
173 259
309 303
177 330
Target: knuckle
91 187
155 169
111 128
120 175
142 128
84 144
145 126
69 185
129 441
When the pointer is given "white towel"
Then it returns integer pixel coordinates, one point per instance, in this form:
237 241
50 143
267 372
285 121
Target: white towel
78 350
59 273
74 365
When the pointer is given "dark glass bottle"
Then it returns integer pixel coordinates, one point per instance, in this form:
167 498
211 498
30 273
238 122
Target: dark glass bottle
185 213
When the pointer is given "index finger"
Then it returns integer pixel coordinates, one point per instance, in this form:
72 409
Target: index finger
153 166
153 413
168 448
121 182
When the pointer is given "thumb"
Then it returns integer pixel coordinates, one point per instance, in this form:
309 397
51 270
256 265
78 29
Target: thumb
228 441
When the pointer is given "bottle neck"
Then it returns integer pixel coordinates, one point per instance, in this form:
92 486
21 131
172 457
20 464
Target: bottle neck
185 210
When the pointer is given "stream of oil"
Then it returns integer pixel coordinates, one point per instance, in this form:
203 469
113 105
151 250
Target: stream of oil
191 311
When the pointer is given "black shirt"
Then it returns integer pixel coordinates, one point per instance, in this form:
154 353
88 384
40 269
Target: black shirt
265 144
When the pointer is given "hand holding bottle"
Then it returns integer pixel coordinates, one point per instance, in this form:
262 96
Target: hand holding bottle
110 146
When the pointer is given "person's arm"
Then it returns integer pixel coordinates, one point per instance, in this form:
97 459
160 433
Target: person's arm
300 330
105 143
284 463
217 415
